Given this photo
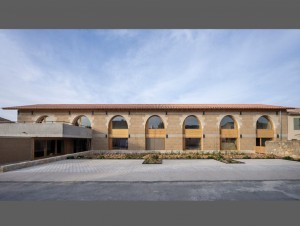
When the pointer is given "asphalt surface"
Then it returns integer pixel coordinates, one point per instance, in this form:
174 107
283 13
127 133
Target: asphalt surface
190 180
151 191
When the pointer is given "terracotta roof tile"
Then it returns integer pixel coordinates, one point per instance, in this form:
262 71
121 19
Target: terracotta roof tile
147 107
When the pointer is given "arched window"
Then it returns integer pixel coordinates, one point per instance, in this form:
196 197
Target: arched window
118 122
42 119
227 123
82 121
118 133
155 122
263 123
192 133
191 122
155 133
264 132
229 134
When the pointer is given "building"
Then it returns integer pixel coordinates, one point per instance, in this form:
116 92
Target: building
294 124
53 129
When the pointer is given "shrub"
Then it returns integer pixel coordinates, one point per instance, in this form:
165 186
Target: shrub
155 156
232 161
132 156
70 157
219 156
152 159
246 157
80 157
288 158
101 157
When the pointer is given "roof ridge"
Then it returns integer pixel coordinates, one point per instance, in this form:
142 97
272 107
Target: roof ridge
145 106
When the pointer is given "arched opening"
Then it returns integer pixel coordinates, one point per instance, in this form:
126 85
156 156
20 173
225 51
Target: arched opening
118 133
42 119
229 134
264 132
155 133
192 133
82 121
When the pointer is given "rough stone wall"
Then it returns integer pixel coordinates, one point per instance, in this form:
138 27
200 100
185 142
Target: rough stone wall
284 148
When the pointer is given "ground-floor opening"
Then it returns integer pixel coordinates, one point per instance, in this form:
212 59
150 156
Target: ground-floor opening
53 147
81 145
119 143
228 143
261 142
192 144
155 144
44 148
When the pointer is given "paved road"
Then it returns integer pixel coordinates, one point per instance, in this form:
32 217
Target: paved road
173 180
152 191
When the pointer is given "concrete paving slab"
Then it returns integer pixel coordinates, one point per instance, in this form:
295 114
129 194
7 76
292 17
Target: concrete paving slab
170 170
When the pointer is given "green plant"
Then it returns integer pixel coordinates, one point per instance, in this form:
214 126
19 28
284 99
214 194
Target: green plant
80 157
246 157
210 157
134 156
219 156
288 158
152 159
154 156
70 157
101 157
232 161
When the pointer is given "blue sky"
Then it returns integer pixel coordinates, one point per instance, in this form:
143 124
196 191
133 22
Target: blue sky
149 66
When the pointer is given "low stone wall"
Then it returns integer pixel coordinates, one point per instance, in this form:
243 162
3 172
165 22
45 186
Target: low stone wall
21 165
169 151
284 148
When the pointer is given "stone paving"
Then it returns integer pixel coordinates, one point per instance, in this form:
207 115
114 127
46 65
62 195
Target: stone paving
170 170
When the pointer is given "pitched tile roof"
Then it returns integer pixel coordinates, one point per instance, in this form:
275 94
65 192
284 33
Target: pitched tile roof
148 107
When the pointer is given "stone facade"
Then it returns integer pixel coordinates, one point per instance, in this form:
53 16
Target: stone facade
173 123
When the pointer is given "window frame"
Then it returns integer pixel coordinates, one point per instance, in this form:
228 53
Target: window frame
296 126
